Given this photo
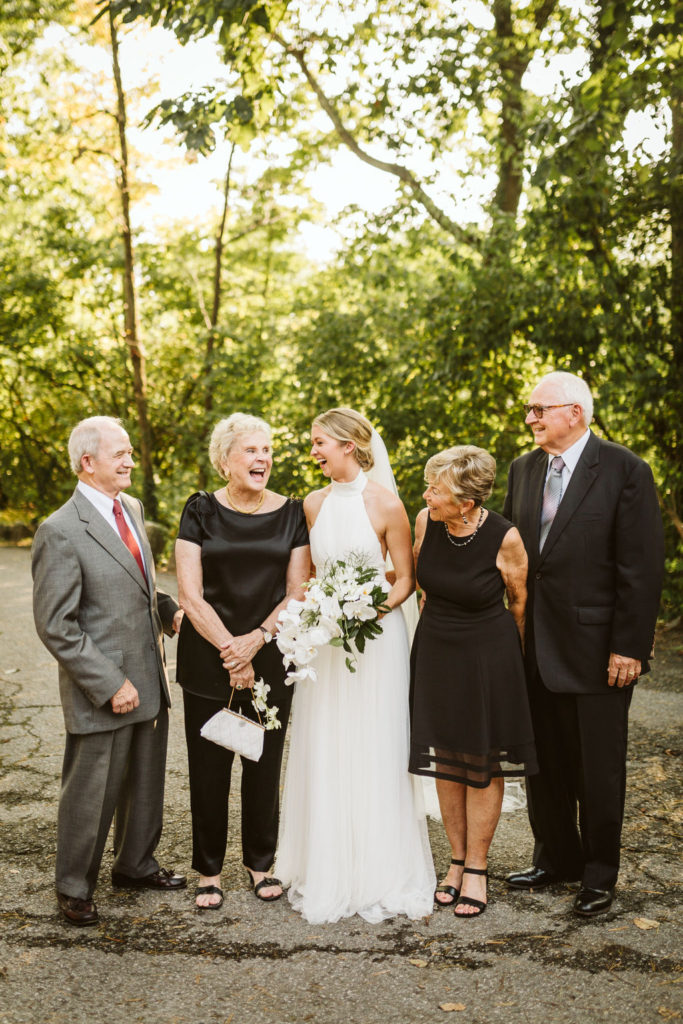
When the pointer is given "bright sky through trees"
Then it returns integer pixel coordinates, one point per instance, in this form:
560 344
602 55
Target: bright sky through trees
188 188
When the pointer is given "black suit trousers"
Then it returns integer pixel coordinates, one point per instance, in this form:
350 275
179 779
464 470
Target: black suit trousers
210 768
581 742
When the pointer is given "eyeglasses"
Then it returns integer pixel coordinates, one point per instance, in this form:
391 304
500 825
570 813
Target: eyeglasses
538 410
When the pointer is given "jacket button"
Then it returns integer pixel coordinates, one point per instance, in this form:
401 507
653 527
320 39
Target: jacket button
539 576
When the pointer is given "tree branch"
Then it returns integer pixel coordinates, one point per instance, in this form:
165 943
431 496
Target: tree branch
398 170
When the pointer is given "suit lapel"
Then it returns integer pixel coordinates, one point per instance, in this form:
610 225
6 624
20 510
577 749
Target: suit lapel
100 531
581 481
532 506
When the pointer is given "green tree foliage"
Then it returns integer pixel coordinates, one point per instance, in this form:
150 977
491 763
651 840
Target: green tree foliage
434 319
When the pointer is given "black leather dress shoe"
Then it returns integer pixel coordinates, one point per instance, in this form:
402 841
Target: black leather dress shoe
593 901
77 911
532 878
161 879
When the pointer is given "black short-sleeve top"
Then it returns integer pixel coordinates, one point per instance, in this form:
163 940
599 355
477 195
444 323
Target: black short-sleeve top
244 569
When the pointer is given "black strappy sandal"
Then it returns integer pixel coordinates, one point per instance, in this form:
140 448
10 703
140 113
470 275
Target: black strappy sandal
207 890
468 901
265 883
450 890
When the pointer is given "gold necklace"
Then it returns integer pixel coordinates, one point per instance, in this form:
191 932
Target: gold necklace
244 511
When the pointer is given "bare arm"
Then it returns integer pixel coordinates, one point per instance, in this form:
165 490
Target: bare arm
191 594
512 563
399 545
420 530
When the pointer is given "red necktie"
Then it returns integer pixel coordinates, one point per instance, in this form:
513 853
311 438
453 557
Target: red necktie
128 537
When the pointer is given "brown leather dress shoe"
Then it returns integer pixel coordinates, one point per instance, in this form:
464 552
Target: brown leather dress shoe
77 911
161 879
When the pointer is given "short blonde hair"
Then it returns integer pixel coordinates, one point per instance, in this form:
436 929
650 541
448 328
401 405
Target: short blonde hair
86 436
346 425
467 471
227 431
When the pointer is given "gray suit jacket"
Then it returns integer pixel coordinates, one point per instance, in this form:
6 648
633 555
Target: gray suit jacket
98 617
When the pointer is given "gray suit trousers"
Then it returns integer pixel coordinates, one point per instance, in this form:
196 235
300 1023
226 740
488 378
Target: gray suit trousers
106 775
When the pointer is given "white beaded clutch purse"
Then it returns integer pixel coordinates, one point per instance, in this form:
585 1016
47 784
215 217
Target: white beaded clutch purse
235 732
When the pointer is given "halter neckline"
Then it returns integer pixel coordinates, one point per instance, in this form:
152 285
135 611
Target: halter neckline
350 488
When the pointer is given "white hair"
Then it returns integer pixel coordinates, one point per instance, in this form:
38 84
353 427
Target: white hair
227 431
571 389
86 436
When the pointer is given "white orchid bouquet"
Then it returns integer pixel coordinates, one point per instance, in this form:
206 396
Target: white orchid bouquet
341 608
259 701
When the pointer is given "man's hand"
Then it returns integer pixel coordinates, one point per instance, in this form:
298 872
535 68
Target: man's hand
622 671
126 699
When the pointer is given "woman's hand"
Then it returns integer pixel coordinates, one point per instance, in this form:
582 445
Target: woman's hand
237 652
242 678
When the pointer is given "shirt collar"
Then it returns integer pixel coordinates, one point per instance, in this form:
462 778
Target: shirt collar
102 502
572 455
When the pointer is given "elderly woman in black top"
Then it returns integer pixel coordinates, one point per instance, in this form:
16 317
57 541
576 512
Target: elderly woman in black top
242 553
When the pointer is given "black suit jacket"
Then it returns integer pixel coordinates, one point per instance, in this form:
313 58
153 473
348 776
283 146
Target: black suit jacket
595 587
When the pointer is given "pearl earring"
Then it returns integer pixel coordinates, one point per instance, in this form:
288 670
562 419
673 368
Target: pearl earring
465 519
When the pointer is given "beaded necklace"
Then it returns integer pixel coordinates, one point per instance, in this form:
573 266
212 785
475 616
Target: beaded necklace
467 540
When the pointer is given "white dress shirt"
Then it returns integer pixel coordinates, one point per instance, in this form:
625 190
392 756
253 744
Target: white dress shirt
105 506
570 459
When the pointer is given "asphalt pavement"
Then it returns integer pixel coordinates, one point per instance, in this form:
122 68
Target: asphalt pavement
154 959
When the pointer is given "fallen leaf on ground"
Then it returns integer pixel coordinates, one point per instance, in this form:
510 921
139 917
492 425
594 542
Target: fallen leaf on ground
645 923
418 963
448 1007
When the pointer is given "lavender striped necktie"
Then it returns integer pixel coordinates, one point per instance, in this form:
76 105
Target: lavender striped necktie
552 494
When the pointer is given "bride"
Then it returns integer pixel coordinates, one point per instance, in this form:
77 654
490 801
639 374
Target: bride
353 837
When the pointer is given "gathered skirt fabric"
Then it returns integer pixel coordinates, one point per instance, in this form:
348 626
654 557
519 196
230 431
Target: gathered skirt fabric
353 838
470 711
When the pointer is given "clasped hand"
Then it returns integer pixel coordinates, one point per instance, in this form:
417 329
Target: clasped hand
236 655
239 650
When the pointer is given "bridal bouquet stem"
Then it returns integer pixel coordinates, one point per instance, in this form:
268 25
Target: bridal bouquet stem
341 608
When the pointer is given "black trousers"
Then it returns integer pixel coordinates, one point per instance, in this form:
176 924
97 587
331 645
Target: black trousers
210 768
581 742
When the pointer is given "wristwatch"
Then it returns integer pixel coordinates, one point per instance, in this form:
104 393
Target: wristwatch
267 635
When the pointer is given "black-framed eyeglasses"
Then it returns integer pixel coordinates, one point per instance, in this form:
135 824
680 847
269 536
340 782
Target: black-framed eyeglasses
538 410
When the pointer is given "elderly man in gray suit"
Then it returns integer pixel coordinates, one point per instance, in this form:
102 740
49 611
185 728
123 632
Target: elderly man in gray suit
97 611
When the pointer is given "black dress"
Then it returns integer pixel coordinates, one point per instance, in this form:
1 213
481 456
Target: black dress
244 569
470 713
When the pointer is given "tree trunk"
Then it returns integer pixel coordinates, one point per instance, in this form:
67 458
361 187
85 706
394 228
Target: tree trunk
512 141
130 324
676 214
215 311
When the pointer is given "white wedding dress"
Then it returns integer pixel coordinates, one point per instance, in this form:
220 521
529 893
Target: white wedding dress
353 838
